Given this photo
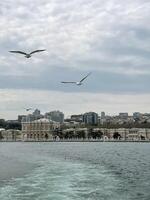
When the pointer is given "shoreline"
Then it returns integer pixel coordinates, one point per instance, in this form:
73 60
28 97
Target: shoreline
139 141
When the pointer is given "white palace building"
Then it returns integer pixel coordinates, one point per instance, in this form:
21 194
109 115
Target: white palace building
39 130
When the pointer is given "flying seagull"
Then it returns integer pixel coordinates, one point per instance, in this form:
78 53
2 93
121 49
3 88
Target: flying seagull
78 82
28 109
28 55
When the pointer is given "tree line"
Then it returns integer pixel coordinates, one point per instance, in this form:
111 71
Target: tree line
12 124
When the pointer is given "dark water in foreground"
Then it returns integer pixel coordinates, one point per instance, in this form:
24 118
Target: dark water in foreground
74 171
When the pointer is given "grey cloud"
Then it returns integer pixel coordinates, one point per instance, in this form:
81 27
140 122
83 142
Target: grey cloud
110 38
97 82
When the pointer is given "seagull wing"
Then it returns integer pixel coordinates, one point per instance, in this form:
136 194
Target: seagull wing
21 52
84 78
36 51
68 82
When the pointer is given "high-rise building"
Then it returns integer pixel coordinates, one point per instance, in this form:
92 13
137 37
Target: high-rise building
56 116
123 115
36 115
90 118
21 117
102 115
137 115
77 118
31 117
36 112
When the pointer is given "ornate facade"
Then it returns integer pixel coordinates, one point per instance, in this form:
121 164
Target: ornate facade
39 130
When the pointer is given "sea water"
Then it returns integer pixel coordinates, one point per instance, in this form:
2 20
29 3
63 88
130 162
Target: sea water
74 171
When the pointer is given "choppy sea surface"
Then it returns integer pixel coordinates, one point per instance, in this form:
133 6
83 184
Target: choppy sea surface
75 171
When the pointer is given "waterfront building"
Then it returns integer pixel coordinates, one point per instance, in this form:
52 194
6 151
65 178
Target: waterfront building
10 135
41 129
75 133
124 134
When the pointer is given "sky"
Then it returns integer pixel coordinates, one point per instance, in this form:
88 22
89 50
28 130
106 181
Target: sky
109 38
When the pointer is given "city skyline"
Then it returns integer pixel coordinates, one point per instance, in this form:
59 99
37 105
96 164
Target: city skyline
54 113
13 104
109 39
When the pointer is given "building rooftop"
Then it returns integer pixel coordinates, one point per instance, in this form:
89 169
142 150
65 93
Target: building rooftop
45 120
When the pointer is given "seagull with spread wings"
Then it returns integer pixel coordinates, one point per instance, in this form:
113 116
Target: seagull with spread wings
28 109
78 82
28 55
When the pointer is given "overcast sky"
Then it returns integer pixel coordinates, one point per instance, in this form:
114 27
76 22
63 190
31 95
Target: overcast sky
109 38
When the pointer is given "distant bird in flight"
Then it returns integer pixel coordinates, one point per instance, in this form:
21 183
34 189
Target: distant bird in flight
78 82
28 55
27 109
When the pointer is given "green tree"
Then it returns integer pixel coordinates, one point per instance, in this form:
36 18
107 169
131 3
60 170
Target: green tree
116 135
1 136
